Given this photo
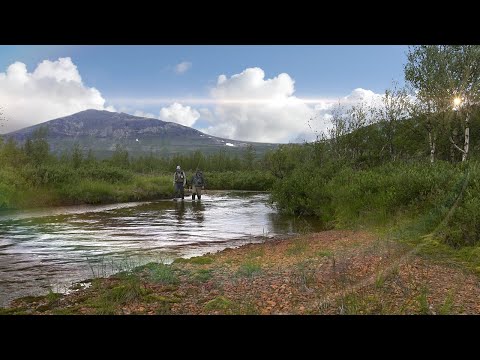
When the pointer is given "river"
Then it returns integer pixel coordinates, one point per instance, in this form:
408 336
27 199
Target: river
50 249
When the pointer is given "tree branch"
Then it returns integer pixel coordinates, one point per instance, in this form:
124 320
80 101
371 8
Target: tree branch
456 146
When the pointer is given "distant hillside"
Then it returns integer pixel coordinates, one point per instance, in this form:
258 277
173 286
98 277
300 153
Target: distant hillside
101 131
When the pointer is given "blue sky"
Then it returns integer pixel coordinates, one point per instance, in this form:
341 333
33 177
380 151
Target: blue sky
124 73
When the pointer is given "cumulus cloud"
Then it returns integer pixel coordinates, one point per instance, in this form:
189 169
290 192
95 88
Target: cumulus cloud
321 122
183 115
54 89
248 106
253 108
183 67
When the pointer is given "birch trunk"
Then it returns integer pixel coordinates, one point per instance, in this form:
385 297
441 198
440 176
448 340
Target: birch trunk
431 138
467 138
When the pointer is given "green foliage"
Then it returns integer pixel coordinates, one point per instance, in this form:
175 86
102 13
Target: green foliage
249 157
388 190
120 157
239 180
463 228
37 148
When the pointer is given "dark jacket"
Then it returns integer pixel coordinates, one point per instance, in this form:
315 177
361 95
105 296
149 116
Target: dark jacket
197 179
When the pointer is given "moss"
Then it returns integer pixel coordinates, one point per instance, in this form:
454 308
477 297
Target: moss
66 311
30 299
13 311
151 298
218 303
203 275
43 308
324 253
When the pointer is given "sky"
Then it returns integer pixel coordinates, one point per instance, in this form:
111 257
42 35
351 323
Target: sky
254 93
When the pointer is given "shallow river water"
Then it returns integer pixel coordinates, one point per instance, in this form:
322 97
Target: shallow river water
53 248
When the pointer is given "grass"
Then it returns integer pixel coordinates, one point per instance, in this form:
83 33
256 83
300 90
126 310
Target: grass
447 306
360 304
258 252
305 275
52 296
160 273
203 275
379 281
249 269
13 311
109 298
350 305
422 302
298 247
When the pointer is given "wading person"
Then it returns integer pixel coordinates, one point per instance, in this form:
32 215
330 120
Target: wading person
198 183
179 180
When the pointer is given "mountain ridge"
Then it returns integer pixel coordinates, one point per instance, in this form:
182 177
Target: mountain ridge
102 131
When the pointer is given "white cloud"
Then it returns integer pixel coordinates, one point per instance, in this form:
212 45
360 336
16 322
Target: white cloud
183 115
253 108
183 67
54 89
322 120
249 107
359 95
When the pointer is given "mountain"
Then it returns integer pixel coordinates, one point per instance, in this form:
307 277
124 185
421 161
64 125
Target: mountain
102 131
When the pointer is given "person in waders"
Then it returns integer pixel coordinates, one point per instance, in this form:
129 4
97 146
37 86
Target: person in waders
179 181
198 184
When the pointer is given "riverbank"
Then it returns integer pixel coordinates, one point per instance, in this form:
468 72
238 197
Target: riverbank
331 272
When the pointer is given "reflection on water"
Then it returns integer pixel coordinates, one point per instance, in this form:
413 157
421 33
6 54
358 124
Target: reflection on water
53 248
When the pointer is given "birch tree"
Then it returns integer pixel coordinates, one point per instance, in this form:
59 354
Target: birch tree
445 78
359 116
426 71
338 129
465 85
394 108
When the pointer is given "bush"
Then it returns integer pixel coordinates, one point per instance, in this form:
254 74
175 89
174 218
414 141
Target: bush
463 228
239 180
349 196
382 192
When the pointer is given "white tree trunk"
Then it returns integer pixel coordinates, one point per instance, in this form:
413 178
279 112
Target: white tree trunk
431 139
467 138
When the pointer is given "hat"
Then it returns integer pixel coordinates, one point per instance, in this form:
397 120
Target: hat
178 167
